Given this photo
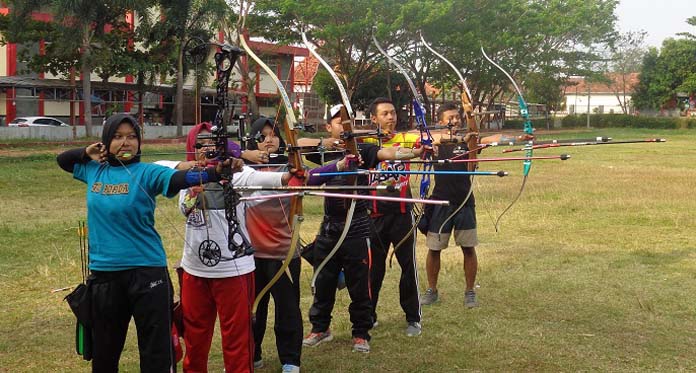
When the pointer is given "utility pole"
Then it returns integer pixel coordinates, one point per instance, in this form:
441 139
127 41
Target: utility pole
588 102
575 107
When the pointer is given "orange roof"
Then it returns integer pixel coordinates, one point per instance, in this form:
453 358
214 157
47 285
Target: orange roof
431 90
579 84
306 70
277 48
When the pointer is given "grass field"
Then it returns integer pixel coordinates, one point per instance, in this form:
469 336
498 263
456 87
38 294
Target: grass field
593 269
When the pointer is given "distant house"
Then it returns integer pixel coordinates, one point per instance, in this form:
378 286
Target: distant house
602 98
312 108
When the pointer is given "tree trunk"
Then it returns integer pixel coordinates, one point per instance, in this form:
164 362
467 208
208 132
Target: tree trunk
426 101
179 102
86 81
389 85
141 94
252 104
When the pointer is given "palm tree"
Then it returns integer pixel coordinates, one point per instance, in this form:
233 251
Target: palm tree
181 21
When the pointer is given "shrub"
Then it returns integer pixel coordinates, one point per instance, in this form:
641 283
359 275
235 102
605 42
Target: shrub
519 123
627 121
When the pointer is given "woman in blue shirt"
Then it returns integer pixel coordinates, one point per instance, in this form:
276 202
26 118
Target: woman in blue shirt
129 276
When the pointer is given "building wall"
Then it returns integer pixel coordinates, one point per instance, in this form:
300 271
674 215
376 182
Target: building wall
3 60
57 108
600 103
3 108
69 133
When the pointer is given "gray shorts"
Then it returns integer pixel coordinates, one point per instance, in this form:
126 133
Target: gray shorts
463 223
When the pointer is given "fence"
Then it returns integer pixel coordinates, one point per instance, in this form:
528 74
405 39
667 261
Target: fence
71 133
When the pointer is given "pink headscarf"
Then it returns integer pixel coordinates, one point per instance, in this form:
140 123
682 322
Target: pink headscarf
192 138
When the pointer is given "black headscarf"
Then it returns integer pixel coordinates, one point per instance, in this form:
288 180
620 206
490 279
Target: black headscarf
110 126
257 128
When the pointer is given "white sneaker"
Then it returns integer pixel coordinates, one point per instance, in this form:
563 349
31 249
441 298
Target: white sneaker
289 368
414 329
314 339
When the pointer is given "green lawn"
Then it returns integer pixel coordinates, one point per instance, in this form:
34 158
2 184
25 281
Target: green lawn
594 269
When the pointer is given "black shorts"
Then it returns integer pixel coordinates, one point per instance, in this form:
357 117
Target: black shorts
441 223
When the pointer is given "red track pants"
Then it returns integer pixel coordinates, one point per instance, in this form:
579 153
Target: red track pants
230 298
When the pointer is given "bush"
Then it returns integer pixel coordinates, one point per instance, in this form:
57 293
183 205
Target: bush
519 123
627 121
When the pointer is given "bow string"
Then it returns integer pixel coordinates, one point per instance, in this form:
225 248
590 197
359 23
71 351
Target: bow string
347 116
528 129
471 124
290 127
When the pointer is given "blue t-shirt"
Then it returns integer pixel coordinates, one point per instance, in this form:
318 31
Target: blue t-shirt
121 214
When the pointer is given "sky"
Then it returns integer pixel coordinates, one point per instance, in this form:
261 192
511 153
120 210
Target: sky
660 18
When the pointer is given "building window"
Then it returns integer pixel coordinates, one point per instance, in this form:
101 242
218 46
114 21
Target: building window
48 93
105 96
25 92
63 94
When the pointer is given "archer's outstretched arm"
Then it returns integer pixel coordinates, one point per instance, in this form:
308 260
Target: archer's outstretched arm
69 158
505 138
393 153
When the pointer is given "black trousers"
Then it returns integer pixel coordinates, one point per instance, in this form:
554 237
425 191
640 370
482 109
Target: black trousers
142 293
288 317
389 230
353 256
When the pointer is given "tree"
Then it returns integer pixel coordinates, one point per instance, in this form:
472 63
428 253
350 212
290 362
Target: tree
625 55
180 22
383 83
342 30
545 88
665 73
539 43
552 37
688 35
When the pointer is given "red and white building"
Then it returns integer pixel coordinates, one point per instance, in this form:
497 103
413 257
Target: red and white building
25 93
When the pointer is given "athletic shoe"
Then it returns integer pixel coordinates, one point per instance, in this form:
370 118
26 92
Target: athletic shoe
470 299
289 368
341 284
429 297
314 339
361 345
413 329
258 364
